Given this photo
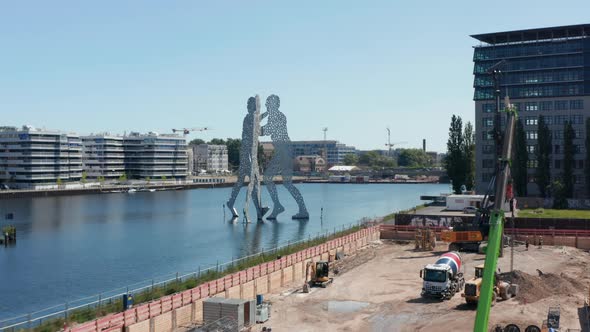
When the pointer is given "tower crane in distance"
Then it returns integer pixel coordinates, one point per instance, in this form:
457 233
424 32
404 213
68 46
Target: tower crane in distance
390 145
186 131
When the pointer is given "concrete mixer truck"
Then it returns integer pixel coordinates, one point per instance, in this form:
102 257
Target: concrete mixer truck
443 278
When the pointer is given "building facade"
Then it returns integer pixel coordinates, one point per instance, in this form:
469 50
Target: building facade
310 164
546 73
336 151
155 156
37 158
210 157
103 156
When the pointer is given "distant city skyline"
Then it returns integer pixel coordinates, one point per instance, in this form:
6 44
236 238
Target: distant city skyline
138 66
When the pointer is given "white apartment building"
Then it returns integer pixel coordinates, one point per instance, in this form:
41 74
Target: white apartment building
155 156
209 157
39 158
103 156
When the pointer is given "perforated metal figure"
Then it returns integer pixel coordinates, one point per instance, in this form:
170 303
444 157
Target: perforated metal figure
282 160
248 160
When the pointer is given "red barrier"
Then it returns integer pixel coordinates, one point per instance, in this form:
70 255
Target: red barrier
130 316
166 304
142 312
86 327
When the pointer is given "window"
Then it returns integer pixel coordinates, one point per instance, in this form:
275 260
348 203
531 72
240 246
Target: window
576 119
488 149
531 134
531 148
487 163
488 122
577 148
486 177
532 163
487 135
531 106
561 105
580 163
488 108
548 120
560 119
557 134
546 105
557 163
577 179
557 149
577 133
530 120
577 104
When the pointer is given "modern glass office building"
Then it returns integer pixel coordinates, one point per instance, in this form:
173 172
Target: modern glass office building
336 150
103 156
155 156
39 158
546 72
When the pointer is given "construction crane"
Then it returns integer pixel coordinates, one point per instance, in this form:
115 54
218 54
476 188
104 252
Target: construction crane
496 211
186 131
389 144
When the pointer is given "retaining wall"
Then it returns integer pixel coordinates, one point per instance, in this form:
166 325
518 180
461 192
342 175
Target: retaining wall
182 309
551 237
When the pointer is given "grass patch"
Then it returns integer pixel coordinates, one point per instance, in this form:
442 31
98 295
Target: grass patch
552 213
113 306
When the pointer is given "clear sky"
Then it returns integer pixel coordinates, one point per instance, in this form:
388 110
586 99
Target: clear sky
355 67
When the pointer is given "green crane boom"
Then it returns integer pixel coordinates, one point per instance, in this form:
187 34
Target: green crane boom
496 223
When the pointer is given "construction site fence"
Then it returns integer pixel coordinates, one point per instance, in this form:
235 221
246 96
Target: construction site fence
508 230
519 222
144 311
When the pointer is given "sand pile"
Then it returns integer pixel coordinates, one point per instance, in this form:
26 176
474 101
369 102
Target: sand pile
534 288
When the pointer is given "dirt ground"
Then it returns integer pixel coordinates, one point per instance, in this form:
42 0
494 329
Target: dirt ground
382 285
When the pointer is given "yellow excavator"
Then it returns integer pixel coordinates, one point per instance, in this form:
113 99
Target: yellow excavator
317 275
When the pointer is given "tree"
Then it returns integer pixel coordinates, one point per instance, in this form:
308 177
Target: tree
413 158
587 161
455 160
520 160
84 176
375 160
351 159
196 141
100 180
233 151
123 178
163 177
147 179
543 154
559 195
469 154
568 160
59 183
217 141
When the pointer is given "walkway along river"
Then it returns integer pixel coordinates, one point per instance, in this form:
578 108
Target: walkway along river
74 246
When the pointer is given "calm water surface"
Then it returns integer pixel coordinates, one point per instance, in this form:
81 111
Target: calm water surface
75 246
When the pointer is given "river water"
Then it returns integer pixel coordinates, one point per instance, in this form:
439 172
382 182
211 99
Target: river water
75 246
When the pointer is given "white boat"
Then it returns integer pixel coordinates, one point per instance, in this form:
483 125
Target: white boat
131 191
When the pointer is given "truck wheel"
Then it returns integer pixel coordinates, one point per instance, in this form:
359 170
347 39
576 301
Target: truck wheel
453 247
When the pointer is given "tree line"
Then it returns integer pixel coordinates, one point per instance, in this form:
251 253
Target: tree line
560 187
460 160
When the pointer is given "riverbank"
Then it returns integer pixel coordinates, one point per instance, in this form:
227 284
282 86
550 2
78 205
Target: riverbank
205 183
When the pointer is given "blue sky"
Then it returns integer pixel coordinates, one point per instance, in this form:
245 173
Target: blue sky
354 67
